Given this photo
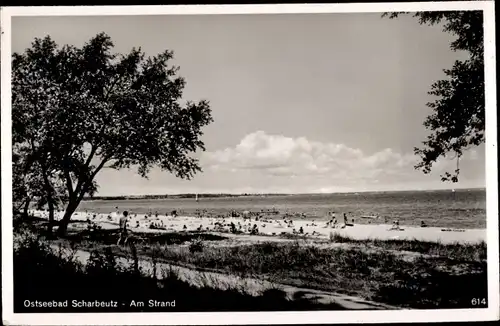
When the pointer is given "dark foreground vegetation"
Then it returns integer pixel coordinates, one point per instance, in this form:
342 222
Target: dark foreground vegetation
402 273
413 282
44 275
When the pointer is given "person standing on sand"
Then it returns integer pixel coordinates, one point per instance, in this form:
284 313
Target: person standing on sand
123 228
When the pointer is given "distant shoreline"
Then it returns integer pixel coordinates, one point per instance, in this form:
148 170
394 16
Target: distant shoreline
246 195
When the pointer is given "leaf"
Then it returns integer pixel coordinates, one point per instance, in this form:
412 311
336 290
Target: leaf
76 109
458 118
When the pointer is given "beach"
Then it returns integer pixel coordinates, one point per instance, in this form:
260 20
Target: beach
255 252
269 228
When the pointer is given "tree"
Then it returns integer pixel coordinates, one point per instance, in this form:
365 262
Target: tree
458 119
21 195
82 109
32 184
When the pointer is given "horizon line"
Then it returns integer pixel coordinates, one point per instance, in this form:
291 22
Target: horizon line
282 193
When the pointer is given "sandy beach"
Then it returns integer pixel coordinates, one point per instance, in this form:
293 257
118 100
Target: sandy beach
269 227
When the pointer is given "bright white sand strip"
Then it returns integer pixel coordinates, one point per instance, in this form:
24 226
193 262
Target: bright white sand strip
140 223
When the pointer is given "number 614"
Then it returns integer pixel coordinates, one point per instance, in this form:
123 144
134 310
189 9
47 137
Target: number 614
478 301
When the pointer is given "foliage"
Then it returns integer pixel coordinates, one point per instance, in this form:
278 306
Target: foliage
79 110
29 181
197 245
376 270
43 274
458 118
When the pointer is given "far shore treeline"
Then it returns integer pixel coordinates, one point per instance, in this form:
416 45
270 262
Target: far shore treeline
222 195
228 195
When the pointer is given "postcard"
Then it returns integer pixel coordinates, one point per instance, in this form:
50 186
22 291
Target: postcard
249 164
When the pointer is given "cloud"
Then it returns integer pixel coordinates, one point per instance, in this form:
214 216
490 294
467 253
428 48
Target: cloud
324 165
284 156
265 163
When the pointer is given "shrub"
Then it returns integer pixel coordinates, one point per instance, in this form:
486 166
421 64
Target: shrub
196 246
337 238
43 275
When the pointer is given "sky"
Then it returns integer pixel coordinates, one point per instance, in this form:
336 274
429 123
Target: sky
302 103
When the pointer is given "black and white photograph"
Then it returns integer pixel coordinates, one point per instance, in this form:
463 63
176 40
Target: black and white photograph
210 162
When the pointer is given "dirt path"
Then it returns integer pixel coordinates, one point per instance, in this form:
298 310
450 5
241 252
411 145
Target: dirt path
250 285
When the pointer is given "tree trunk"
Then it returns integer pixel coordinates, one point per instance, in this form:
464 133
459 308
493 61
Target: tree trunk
63 224
26 207
50 226
50 197
75 198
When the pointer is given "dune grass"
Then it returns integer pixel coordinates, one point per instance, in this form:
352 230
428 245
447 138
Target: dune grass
382 276
437 275
454 251
44 275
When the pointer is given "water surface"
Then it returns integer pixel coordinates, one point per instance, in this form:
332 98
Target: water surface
464 208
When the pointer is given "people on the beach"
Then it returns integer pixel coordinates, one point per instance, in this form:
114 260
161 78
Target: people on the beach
123 228
255 230
332 216
90 225
395 225
233 227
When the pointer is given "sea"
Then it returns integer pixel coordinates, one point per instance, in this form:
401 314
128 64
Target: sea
462 208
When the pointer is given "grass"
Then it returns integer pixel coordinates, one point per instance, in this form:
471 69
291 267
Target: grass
379 276
44 275
454 251
382 276
437 275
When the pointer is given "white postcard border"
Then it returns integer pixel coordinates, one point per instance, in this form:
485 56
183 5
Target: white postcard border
441 315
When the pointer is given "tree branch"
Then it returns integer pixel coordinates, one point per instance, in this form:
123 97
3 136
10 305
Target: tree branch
69 183
92 176
91 155
108 91
99 167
